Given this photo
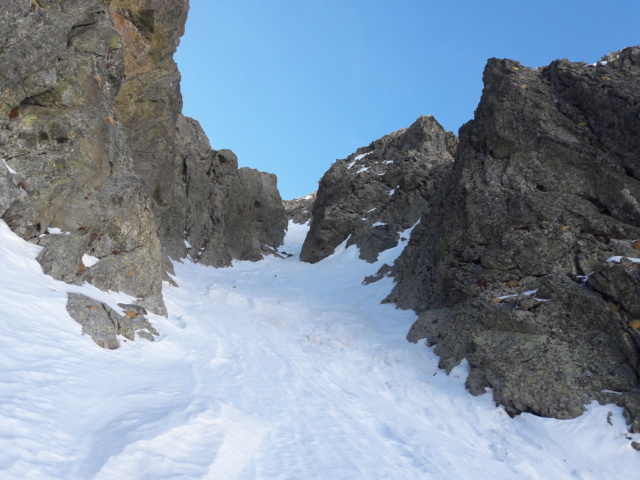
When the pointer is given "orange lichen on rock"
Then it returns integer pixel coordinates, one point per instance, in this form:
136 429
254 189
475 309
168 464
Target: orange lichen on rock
136 48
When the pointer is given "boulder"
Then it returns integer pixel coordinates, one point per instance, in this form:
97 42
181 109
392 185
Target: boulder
103 324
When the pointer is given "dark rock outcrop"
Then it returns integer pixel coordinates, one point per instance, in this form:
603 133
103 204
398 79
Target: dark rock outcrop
93 143
545 187
379 191
299 210
212 210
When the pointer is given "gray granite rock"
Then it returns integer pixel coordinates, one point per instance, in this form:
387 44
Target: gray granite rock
104 324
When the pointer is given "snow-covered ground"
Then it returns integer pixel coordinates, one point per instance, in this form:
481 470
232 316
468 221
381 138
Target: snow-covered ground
268 370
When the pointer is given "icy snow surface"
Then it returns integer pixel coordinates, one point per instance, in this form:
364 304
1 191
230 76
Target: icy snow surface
11 170
356 159
618 259
362 155
55 231
89 260
268 370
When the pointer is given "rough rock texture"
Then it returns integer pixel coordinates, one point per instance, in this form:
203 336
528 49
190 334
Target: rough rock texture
222 212
545 187
620 284
92 143
299 210
62 67
379 191
103 324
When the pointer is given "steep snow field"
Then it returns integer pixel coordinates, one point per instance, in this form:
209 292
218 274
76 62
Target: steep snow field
268 370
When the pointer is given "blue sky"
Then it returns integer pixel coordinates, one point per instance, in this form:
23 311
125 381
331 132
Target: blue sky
291 86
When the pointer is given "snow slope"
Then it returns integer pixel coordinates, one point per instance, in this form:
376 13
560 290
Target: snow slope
268 370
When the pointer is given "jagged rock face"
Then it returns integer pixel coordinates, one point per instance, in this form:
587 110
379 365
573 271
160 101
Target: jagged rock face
62 67
299 209
93 144
261 213
222 212
545 187
379 191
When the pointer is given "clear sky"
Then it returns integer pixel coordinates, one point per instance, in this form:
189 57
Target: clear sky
291 86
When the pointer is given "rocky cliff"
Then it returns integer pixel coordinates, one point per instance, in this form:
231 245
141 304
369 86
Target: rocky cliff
379 191
93 145
196 194
511 268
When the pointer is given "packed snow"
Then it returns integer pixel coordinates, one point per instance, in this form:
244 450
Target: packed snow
89 260
56 231
361 156
357 158
270 370
528 293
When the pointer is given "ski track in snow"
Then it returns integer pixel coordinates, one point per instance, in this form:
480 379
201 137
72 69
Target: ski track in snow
268 370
